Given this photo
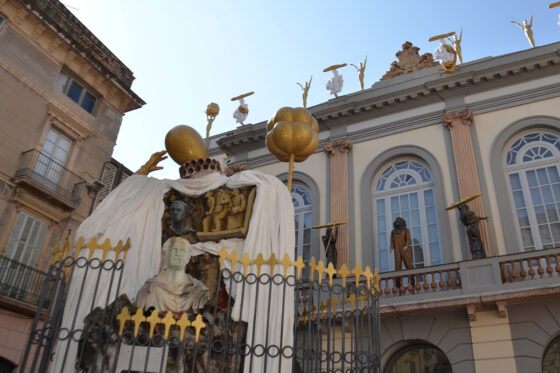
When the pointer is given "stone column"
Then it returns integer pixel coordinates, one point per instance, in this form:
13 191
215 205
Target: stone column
463 152
338 153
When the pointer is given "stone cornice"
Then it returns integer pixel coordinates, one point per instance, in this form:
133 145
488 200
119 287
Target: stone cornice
422 88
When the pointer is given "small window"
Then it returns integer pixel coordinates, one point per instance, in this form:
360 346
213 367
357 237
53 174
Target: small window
76 91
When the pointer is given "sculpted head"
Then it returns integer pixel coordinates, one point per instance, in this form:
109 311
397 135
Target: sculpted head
178 211
176 252
399 223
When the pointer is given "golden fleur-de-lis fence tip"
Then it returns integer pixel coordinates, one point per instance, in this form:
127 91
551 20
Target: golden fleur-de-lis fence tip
319 269
168 321
62 251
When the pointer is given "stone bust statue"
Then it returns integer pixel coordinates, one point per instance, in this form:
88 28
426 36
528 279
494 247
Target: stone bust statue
178 211
172 289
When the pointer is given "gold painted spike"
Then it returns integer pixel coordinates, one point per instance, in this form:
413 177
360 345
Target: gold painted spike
377 280
137 319
335 302
272 262
242 96
259 263
333 67
320 268
344 272
198 324
362 300
305 315
118 249
123 317
78 246
352 300
223 254
125 249
286 262
312 266
357 273
168 321
183 322
57 253
106 247
442 36
246 263
92 245
153 319
299 264
323 308
313 311
233 258
369 276
331 272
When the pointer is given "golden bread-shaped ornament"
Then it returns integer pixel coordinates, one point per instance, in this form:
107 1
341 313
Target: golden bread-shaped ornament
183 143
292 131
213 109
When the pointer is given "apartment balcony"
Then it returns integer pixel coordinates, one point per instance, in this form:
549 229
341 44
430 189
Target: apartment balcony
21 283
49 178
472 283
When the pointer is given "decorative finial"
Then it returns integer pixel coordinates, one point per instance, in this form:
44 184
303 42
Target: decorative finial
212 111
445 53
526 27
335 83
305 90
360 71
240 114
292 135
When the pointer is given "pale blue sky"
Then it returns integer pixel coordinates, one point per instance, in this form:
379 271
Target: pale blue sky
186 54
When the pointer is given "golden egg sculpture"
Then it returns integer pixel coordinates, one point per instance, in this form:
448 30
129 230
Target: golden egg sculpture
183 143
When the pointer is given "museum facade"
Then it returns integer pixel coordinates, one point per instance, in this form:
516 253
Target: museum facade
418 141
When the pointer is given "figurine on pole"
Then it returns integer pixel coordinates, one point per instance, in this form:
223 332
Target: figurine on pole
305 90
526 27
242 111
360 71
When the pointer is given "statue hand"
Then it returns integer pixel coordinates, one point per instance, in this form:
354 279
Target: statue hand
152 164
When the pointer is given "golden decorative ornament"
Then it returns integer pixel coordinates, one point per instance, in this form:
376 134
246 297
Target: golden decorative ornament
450 66
292 135
184 144
212 109
242 109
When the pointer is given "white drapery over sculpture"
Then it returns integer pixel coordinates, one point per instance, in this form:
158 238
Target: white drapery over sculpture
135 209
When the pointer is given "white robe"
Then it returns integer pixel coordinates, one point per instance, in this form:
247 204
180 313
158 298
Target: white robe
134 210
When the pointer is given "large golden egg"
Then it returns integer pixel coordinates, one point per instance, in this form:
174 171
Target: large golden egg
184 144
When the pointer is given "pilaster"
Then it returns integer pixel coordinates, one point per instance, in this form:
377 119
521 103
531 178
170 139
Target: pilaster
338 153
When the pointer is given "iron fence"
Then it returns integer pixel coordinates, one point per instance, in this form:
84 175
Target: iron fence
333 325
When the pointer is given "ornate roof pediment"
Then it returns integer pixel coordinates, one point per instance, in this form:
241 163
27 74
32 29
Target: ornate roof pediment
409 60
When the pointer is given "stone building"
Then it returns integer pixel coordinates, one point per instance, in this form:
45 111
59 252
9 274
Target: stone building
62 98
410 146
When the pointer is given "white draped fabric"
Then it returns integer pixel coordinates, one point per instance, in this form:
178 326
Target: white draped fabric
134 210
442 54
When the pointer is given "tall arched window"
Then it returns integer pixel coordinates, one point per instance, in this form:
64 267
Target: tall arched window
405 189
532 168
301 198
418 357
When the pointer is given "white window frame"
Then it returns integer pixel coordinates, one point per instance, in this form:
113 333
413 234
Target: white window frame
300 212
48 168
521 168
386 194
64 82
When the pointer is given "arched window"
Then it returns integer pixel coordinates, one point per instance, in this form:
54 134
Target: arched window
532 168
551 357
418 357
404 188
301 198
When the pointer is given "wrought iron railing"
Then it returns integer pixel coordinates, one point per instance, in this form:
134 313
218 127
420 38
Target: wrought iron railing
21 282
41 170
309 326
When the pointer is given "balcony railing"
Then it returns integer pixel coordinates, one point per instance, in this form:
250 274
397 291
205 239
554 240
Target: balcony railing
50 176
20 282
511 274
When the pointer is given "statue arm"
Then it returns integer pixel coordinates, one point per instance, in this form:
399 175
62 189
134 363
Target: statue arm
518 24
531 22
365 62
461 35
152 164
391 243
300 86
356 67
